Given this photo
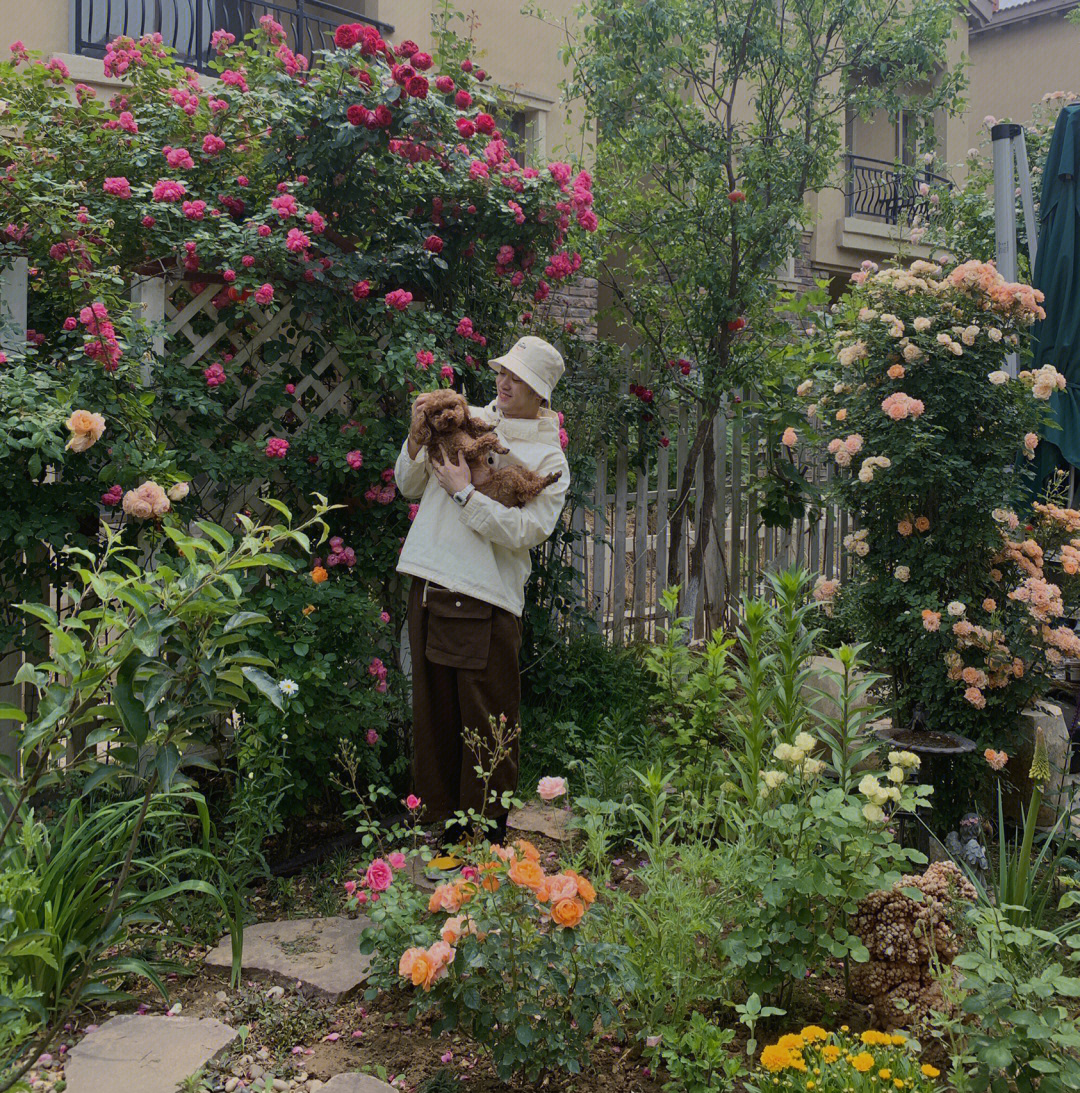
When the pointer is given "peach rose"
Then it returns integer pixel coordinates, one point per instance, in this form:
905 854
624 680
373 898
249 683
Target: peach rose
904 528
896 372
922 523
526 874
790 438
567 913
527 850
931 620
446 897
178 491
85 428
585 890
454 929
556 888
547 789
145 501
418 967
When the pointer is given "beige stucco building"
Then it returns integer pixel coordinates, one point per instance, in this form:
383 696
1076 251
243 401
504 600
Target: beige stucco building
1016 50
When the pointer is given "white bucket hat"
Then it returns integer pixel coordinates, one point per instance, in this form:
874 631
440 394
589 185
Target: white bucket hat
535 361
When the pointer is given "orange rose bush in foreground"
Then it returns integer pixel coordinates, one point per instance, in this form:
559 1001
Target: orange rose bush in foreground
505 953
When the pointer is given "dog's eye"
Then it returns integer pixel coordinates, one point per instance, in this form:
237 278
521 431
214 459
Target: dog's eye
491 459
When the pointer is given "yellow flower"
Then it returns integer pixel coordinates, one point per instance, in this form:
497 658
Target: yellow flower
898 1082
812 1033
830 1053
844 1028
884 1073
898 1038
929 1071
811 1084
792 1042
872 1036
774 1058
863 1061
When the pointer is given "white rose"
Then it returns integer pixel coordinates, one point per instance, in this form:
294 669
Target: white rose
998 378
178 491
805 742
896 774
956 609
873 814
902 573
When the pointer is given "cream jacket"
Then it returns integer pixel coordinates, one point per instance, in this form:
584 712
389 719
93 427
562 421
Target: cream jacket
482 549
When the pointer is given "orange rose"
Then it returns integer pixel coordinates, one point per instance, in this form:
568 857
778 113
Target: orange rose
445 898
465 890
567 912
308 610
584 888
318 574
559 887
527 850
526 874
417 966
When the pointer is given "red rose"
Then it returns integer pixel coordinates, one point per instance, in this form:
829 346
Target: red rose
422 61
357 114
433 243
406 48
417 87
485 123
445 84
736 325
664 442
364 78
466 65
481 75
736 196
383 116
465 127
463 100
347 35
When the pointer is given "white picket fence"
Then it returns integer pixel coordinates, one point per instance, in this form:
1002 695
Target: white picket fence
622 557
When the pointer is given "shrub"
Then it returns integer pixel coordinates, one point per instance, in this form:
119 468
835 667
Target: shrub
511 963
928 434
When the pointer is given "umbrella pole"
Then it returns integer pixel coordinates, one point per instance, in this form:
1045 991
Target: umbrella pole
1010 173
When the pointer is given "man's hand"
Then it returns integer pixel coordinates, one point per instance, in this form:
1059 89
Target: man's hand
452 476
417 418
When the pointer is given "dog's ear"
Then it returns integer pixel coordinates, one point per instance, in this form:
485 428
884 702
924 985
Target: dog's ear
422 432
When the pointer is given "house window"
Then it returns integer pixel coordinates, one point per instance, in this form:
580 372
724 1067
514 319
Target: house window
523 136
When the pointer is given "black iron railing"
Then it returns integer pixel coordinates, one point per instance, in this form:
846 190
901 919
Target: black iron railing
877 190
186 25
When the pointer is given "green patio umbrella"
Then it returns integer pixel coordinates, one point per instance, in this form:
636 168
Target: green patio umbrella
1057 273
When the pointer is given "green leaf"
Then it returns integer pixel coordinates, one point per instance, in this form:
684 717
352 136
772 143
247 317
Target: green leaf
266 686
11 713
244 618
132 713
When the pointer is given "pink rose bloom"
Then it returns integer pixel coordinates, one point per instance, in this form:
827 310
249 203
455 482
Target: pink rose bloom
384 616
382 686
379 876
277 447
194 210
290 388
372 737
396 859
297 241
214 375
117 187
447 372
413 510
264 231
179 157
167 190
425 358
412 802
1031 441
564 439
350 886
284 205
113 496
399 299
212 144
265 294
355 459
547 789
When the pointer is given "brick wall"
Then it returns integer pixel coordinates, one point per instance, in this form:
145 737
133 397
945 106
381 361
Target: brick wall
575 302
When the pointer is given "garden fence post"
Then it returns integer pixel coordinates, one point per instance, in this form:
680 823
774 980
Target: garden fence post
148 293
618 530
13 280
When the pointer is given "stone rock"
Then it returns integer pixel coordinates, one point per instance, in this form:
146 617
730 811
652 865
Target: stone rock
150 1054
1017 796
537 816
356 1083
323 953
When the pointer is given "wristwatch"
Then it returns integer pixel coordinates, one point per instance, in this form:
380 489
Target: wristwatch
463 495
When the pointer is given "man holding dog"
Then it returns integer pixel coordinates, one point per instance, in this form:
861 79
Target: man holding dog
468 557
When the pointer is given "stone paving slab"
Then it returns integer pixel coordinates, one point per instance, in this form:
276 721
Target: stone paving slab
356 1083
148 1054
323 953
535 816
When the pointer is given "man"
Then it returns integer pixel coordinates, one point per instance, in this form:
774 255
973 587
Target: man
469 559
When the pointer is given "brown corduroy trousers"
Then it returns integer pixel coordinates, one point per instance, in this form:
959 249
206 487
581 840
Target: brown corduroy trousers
464 672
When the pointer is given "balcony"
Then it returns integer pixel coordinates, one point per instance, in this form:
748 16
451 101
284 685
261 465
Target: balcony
876 190
186 25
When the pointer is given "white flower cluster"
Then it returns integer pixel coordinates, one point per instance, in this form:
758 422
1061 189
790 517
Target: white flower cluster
878 795
856 543
870 464
798 756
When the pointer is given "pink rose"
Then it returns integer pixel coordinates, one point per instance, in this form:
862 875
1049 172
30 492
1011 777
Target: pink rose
547 789
265 294
412 802
277 447
399 299
355 459
372 737
117 187
396 859
379 876
350 886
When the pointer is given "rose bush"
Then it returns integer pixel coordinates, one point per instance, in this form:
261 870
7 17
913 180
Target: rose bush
508 958
339 234
929 436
